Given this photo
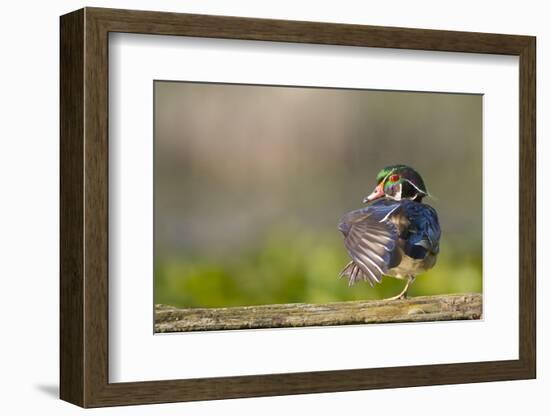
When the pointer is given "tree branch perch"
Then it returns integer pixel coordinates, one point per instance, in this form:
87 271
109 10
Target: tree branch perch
422 308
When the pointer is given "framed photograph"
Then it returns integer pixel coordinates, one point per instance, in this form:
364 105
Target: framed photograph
255 207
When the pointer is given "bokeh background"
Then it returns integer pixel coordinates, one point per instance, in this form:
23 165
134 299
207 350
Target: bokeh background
251 181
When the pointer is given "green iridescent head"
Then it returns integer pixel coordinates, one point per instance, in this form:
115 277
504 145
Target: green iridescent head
398 182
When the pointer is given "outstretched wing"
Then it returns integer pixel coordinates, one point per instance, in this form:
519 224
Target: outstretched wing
370 239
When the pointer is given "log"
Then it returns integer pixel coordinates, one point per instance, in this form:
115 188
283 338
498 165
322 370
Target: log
418 309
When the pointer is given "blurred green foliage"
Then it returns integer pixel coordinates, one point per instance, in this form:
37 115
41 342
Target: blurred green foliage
289 268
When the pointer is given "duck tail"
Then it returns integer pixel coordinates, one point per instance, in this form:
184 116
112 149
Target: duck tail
354 273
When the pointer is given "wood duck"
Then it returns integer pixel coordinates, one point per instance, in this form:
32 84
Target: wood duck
395 234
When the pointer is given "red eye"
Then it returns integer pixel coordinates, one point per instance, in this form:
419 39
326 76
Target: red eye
394 178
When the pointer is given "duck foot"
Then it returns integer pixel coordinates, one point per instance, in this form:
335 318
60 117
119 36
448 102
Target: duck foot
403 294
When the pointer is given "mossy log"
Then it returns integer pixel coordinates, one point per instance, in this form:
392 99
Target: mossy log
417 309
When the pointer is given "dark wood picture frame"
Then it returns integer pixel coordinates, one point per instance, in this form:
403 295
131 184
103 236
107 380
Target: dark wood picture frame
84 207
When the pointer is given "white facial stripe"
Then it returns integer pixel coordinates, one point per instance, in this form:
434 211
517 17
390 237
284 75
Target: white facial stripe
416 187
398 193
397 196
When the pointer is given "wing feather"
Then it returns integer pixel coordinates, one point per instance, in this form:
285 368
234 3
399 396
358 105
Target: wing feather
370 238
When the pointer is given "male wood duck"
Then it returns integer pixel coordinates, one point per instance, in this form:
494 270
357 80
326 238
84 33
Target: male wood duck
395 234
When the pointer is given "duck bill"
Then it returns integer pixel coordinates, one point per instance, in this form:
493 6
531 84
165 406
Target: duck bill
377 193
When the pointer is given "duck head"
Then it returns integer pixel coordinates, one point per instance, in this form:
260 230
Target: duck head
398 182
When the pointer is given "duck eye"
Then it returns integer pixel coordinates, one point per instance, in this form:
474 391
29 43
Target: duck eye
394 178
